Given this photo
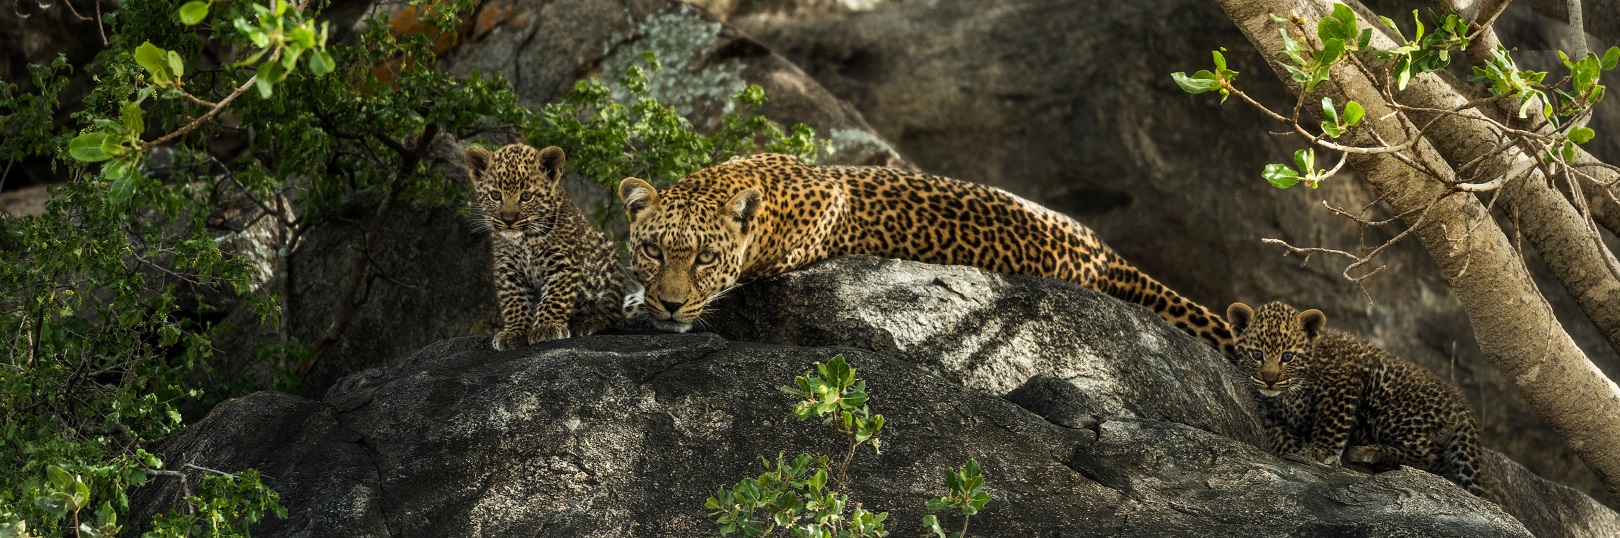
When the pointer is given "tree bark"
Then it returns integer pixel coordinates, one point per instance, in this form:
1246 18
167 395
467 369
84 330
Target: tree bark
1513 323
1554 227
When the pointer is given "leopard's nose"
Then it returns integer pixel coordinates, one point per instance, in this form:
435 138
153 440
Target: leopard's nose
670 306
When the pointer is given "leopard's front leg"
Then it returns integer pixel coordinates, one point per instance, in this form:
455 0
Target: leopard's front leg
515 295
562 288
1335 416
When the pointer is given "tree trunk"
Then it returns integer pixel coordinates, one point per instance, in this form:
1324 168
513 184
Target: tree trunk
1513 323
1554 227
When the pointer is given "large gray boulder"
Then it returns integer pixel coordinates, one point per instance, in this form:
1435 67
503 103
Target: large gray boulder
1112 424
1070 104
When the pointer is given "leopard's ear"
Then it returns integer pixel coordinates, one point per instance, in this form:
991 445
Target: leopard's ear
1312 322
743 207
639 196
1238 316
478 160
551 163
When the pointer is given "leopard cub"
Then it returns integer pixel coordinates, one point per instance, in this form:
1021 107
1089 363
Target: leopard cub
555 275
1328 396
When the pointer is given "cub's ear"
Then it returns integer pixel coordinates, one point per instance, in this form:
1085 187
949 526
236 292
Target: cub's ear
478 160
743 207
551 163
1238 316
638 196
1312 322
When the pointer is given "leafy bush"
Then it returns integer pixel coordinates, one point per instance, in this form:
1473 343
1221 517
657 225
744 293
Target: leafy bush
794 497
105 312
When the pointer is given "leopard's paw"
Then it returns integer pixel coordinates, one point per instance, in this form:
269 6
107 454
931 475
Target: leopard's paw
508 340
546 332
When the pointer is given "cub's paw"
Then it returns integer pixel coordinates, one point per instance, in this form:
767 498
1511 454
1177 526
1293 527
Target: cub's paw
1321 455
509 340
1370 455
546 332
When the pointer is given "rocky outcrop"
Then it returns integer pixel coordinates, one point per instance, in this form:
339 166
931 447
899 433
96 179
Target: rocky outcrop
1109 422
1070 104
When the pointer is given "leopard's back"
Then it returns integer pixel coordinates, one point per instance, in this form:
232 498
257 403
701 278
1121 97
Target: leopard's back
1402 402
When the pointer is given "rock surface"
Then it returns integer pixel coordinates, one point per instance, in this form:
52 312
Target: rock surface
1070 104
1140 431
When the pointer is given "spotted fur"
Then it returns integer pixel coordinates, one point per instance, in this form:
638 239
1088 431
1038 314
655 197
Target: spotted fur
555 275
1329 396
760 216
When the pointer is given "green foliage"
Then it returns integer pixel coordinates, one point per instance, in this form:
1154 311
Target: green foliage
608 140
840 400
1428 50
102 333
1339 36
1424 52
794 496
28 118
1333 125
1206 81
1283 176
966 496
224 506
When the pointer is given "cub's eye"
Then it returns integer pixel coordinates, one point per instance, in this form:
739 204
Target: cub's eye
1257 355
652 251
526 197
705 258
495 195
1287 356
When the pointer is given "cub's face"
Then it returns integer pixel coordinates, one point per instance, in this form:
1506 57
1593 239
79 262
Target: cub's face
515 189
688 248
1274 345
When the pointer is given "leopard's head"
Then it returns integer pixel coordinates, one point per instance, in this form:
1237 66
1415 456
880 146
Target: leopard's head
1274 344
515 189
688 245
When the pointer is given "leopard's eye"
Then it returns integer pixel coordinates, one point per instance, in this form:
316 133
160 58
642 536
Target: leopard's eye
1287 356
526 197
705 257
1257 354
652 251
495 195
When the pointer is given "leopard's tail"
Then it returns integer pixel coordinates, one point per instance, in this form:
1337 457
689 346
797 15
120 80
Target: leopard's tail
1127 283
1459 461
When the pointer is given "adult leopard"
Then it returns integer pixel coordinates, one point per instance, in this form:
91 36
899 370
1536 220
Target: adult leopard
760 216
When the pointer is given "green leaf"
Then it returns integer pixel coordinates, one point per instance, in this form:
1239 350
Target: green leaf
87 147
1352 114
177 65
1197 83
1327 108
1280 175
1580 135
52 504
154 60
1611 58
121 190
1392 26
193 12
265 87
134 122
59 478
320 63
1305 159
118 168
